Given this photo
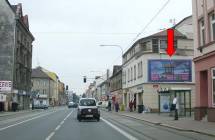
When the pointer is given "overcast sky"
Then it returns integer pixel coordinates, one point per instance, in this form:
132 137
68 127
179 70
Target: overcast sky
68 32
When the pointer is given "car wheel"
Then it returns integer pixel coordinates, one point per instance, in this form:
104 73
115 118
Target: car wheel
79 119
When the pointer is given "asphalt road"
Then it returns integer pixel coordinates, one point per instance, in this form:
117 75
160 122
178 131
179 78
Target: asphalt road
61 124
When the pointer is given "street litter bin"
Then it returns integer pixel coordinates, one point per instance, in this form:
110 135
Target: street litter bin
140 108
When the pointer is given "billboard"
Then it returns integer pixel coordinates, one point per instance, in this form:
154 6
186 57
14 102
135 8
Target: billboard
5 86
169 70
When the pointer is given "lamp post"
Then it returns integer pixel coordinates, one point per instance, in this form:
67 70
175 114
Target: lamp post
113 46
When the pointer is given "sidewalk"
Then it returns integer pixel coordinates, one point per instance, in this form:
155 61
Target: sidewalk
11 113
183 124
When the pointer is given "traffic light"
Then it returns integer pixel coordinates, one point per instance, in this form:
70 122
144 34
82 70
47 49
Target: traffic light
85 79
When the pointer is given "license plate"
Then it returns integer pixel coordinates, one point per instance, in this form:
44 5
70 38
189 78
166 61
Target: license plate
88 116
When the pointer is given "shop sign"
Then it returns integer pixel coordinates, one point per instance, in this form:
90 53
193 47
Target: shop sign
5 86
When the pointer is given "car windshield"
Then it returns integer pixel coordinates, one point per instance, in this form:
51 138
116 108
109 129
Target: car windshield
87 102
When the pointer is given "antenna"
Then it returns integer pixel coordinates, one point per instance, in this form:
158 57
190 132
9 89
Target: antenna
38 62
173 21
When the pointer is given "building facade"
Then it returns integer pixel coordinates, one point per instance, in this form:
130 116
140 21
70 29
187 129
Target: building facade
46 82
116 85
204 44
15 55
148 71
62 97
41 83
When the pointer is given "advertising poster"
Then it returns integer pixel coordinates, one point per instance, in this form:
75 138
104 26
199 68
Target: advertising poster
169 71
164 103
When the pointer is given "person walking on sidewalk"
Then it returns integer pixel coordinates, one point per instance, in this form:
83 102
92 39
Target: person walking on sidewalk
116 106
131 106
109 105
176 107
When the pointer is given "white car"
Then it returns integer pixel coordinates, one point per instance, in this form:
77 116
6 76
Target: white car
102 104
87 109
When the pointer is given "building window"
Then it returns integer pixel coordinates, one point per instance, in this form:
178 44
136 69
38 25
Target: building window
155 45
131 74
202 32
212 26
146 46
163 45
135 72
140 69
128 75
124 77
213 81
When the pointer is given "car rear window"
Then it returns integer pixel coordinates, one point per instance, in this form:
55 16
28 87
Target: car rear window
87 102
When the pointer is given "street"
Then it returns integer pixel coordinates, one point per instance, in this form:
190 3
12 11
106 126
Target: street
61 124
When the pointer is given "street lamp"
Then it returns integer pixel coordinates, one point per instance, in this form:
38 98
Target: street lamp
113 46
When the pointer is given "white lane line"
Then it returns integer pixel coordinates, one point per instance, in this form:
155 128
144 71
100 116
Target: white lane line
1 129
61 122
130 137
58 127
50 136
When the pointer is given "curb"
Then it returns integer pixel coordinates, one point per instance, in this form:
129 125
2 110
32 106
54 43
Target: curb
168 126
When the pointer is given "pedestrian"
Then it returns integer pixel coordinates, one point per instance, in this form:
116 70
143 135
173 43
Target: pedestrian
134 103
175 107
116 106
131 106
109 105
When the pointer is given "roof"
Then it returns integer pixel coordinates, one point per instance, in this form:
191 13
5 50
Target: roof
164 34
20 18
38 73
53 76
50 74
160 34
182 21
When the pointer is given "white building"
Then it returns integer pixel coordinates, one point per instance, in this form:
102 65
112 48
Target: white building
147 69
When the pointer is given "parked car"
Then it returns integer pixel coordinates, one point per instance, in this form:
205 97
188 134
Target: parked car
87 109
72 105
40 104
102 104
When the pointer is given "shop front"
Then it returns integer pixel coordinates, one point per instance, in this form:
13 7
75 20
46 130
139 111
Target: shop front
166 96
2 102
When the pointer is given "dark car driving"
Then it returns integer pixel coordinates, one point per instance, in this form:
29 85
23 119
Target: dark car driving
87 109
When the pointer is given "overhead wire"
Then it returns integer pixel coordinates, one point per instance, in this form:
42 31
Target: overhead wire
144 28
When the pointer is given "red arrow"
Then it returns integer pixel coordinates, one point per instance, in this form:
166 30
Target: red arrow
170 42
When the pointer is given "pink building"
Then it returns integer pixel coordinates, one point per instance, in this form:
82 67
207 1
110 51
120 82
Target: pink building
204 43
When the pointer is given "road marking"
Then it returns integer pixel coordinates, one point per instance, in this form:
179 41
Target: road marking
61 122
130 137
1 129
50 136
58 127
